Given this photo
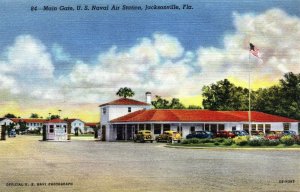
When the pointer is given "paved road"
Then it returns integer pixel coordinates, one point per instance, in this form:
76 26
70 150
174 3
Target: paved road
125 166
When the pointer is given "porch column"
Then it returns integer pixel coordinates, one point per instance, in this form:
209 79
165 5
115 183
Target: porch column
145 126
264 129
162 128
152 128
125 132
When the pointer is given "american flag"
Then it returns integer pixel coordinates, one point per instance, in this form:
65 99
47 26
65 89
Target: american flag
254 51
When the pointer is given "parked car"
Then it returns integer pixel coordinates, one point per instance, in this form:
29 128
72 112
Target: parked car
240 133
169 136
226 134
200 135
12 133
271 135
289 132
257 133
143 136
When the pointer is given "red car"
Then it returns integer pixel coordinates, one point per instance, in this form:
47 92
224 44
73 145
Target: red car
226 134
273 135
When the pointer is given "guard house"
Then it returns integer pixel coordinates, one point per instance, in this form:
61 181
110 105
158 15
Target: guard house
56 130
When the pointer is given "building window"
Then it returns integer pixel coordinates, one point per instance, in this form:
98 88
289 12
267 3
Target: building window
260 127
286 126
65 129
213 128
253 127
246 127
51 130
79 124
141 127
57 125
166 127
221 127
104 110
34 124
233 128
192 129
148 127
267 128
129 109
157 129
206 127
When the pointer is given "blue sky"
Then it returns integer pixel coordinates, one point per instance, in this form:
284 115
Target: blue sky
85 56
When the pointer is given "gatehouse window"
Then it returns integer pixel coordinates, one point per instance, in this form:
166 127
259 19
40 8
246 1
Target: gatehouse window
104 110
129 109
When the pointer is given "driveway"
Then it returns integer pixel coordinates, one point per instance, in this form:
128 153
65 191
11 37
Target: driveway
86 165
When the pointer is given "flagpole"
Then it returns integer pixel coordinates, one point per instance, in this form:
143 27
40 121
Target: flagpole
249 85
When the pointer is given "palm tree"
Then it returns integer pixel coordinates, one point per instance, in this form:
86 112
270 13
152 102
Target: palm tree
125 92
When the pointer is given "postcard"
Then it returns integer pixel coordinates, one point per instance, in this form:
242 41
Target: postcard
131 95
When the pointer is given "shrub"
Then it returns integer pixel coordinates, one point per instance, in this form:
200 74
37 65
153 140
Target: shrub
186 141
219 140
191 141
228 142
297 140
216 143
272 142
207 141
287 140
256 141
241 140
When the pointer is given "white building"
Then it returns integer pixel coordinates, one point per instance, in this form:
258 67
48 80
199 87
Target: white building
32 123
118 108
56 129
117 123
76 124
5 121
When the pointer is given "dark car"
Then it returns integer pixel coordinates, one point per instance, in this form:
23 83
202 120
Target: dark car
200 135
240 133
289 132
225 134
12 133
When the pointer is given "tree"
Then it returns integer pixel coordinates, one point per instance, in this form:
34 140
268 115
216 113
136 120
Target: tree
194 107
225 96
10 115
34 115
161 103
282 99
53 117
125 92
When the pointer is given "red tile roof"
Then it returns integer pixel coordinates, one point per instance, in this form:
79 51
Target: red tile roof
71 120
33 120
185 115
56 121
124 101
92 124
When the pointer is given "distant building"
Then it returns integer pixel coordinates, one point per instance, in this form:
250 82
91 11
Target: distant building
5 121
76 124
90 127
32 124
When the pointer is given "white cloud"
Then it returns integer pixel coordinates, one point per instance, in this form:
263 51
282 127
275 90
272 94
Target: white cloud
275 33
27 70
